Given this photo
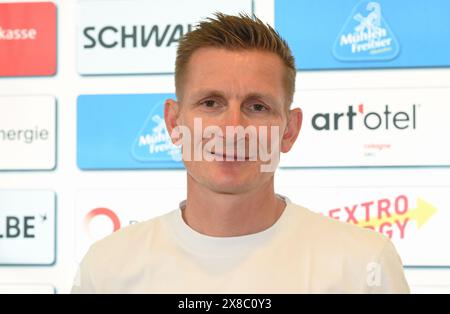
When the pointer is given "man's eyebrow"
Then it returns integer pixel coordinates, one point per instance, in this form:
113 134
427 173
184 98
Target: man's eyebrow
261 96
207 93
216 93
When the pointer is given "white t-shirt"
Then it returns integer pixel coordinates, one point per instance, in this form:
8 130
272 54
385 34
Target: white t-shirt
302 252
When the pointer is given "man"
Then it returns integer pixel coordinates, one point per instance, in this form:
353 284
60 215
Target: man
233 234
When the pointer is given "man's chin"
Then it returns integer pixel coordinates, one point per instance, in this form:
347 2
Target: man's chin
227 177
232 182
228 188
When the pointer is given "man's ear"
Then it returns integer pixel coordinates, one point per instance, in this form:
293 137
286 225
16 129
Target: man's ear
171 111
292 129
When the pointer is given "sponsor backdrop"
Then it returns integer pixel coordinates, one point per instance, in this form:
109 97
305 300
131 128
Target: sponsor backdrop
84 150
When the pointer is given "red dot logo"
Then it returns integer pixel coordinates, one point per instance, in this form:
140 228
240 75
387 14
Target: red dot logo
101 211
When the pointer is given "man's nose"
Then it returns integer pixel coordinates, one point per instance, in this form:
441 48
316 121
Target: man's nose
234 116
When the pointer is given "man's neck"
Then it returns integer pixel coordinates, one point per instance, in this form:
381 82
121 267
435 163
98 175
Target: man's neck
225 215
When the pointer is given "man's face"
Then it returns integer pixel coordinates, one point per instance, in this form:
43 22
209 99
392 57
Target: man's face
223 89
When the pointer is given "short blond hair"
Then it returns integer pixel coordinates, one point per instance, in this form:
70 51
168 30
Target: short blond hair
239 32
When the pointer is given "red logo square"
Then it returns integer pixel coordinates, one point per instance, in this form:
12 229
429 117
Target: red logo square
27 39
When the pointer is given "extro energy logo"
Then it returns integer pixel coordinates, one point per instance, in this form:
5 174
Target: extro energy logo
390 215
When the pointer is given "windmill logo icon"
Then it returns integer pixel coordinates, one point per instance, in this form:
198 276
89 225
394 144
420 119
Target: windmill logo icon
366 36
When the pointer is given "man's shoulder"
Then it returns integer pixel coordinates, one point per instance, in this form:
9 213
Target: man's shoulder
114 259
129 241
328 232
349 253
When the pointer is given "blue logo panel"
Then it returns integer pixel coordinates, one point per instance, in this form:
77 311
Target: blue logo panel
346 34
124 132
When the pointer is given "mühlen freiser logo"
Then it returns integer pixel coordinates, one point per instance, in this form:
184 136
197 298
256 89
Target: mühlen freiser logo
366 36
153 142
370 120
